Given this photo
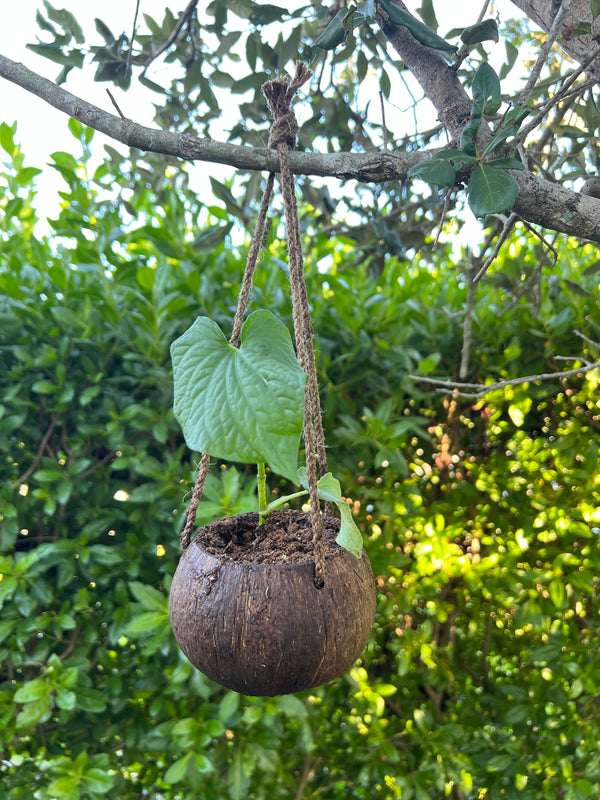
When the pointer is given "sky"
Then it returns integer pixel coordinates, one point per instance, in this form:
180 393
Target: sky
42 129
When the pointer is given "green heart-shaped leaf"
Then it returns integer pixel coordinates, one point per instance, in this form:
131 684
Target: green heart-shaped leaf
243 404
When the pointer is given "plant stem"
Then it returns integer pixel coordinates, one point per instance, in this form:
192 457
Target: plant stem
262 491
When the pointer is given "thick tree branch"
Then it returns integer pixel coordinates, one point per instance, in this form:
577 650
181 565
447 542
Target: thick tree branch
368 167
539 202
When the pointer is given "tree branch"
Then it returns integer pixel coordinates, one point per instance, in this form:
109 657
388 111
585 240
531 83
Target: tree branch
539 202
454 388
368 167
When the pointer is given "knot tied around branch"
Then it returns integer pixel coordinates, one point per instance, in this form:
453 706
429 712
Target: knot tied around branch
279 97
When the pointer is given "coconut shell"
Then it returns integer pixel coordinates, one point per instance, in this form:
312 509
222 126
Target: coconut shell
264 628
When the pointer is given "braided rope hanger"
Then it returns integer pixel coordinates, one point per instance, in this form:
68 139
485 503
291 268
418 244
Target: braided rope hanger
283 139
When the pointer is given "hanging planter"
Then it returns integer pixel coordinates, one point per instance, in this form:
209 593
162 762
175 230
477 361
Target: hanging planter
265 628
277 601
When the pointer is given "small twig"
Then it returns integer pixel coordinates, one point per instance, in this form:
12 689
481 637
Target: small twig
186 14
475 275
464 50
308 772
115 104
560 95
543 54
508 225
98 465
585 339
385 139
132 38
447 197
38 457
454 388
536 271
467 331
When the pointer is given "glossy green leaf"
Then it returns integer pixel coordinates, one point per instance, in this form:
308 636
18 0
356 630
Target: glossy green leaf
422 33
485 31
491 190
487 95
36 689
96 780
337 30
177 770
436 171
150 598
147 622
243 404
468 136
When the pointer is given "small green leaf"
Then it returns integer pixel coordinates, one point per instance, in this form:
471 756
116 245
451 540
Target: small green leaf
330 490
486 91
558 594
349 536
237 777
595 4
491 190
468 136
242 404
71 58
177 770
439 172
90 700
429 364
457 157
486 31
44 387
150 598
145 277
505 163
6 138
228 706
33 712
335 33
147 622
97 781
422 33
31 691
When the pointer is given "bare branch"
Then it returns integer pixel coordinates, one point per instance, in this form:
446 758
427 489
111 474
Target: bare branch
38 457
185 15
585 339
543 54
456 388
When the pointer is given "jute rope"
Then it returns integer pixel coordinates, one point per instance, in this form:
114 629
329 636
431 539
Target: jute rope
283 139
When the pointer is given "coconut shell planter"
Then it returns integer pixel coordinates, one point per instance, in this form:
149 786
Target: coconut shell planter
245 610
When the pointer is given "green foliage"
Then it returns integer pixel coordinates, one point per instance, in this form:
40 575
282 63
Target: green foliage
481 518
241 404
490 189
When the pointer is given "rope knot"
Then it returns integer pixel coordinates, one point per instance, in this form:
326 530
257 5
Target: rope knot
279 96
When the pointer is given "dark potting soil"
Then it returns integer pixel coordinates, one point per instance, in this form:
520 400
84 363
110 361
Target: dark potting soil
285 538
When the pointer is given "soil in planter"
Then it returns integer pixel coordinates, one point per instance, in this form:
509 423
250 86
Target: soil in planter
285 538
